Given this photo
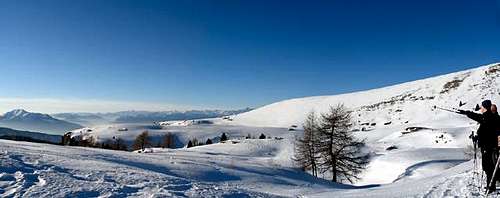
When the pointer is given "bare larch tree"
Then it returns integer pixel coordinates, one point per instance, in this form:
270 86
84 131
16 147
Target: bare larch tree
340 151
142 141
306 147
168 141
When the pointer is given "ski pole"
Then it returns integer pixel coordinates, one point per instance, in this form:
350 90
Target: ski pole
493 176
444 109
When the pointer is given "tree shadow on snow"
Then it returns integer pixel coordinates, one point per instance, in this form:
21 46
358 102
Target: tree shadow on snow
409 171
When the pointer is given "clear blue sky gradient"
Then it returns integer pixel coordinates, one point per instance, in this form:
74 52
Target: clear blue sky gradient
235 54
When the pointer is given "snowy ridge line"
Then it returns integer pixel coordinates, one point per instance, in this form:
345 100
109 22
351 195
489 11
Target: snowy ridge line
20 119
387 102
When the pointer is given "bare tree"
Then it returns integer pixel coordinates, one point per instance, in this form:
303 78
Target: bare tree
209 141
119 144
168 141
107 144
190 144
195 142
306 147
340 150
223 137
142 141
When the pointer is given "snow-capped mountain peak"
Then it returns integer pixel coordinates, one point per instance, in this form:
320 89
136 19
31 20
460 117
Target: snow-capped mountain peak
23 120
21 114
15 113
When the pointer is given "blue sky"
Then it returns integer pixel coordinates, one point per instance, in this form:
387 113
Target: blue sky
230 54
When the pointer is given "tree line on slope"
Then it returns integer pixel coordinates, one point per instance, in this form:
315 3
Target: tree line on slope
328 146
141 142
223 138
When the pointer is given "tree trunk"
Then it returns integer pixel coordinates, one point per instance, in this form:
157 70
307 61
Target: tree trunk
332 157
334 171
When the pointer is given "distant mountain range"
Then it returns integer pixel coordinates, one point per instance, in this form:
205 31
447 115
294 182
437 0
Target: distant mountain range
20 119
60 123
90 119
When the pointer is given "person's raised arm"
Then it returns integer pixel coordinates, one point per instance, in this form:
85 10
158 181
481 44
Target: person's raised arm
475 116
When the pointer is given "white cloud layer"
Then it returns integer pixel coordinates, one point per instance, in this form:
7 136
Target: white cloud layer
48 105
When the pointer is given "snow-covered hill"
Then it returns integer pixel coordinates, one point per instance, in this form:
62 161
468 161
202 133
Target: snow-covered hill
410 102
219 170
251 168
22 120
11 134
182 131
416 150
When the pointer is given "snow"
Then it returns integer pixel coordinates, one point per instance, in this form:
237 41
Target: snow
7 132
37 122
64 171
454 182
182 132
15 113
414 99
429 162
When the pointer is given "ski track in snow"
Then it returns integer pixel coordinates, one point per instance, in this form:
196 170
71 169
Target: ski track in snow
448 188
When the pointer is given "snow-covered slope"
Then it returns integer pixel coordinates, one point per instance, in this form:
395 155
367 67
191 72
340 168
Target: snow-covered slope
416 150
410 101
183 133
22 120
250 168
11 134
39 170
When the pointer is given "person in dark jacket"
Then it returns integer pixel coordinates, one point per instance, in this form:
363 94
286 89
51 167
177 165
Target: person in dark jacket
487 134
494 110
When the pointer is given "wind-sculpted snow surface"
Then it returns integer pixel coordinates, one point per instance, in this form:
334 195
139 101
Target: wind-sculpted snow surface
454 182
40 170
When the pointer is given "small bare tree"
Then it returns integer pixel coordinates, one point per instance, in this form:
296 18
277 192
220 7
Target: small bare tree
223 137
168 141
120 144
340 150
209 141
142 141
306 147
